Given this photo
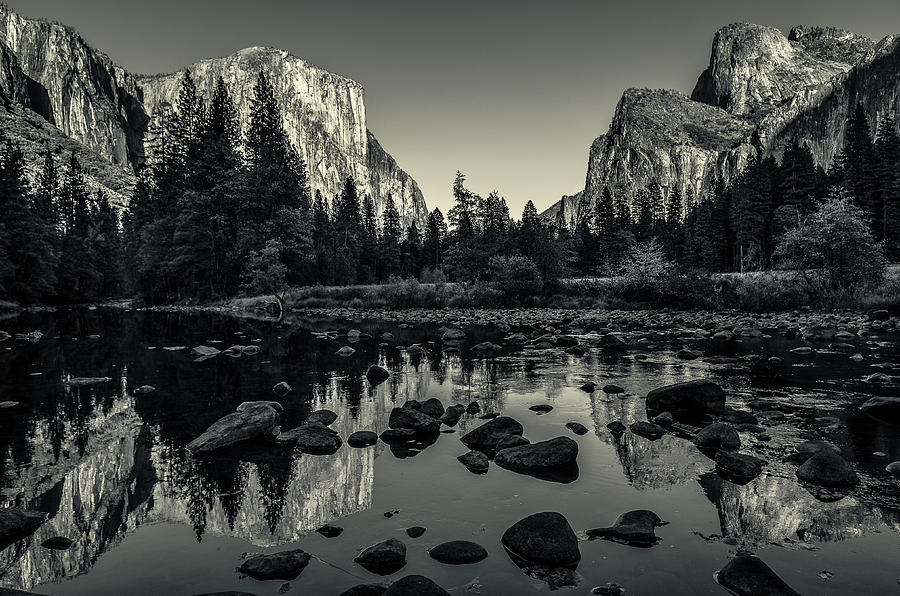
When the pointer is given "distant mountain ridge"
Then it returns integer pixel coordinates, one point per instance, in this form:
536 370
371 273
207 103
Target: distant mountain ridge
760 89
49 70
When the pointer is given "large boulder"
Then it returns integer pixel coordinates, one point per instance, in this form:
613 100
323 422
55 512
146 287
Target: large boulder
255 420
377 374
415 585
458 552
433 407
415 420
326 417
545 538
648 430
453 414
538 457
635 528
18 523
362 438
747 575
883 407
827 468
383 558
690 399
486 436
718 435
284 565
738 467
475 461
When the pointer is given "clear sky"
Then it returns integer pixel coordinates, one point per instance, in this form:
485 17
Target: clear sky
509 92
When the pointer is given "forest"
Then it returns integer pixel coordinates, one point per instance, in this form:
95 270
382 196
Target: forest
219 212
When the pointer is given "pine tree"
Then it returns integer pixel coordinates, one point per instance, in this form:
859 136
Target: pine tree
77 276
411 251
856 164
435 237
887 151
27 252
106 246
390 240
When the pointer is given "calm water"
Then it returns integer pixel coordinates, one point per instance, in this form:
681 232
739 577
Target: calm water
109 468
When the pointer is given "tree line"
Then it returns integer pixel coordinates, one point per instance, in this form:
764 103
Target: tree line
218 211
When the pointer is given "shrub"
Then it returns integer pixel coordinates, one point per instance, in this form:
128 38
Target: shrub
515 278
835 243
265 272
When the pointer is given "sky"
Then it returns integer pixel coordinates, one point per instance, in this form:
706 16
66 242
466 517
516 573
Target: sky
511 93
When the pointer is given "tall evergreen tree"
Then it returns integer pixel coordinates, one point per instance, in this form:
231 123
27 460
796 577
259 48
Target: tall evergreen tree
77 274
390 240
887 151
435 238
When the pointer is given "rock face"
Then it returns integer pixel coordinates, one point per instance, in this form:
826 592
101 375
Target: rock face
49 69
760 90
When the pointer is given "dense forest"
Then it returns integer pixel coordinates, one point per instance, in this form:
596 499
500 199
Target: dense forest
218 211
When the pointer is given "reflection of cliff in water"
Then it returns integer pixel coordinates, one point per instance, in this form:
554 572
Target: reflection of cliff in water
92 495
773 509
647 464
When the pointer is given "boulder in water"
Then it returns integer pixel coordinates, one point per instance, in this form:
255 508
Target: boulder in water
458 552
648 430
433 407
545 538
377 374
315 439
326 417
452 415
688 399
415 585
283 565
486 436
718 435
738 467
362 438
423 424
884 407
538 457
475 461
827 468
256 420
635 528
747 575
383 558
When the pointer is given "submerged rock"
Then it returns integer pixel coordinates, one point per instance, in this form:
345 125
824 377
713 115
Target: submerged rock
827 468
326 417
383 558
415 585
883 407
691 398
545 538
747 575
577 428
541 408
538 457
635 528
563 577
486 436
718 435
144 389
648 430
362 438
458 552
453 335
398 435
475 461
893 468
329 531
255 420
741 468
281 388
415 531
86 381
613 389
807 449
204 353
18 523
284 565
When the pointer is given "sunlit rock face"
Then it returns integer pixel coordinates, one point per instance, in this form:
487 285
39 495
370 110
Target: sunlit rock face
761 89
48 68
88 97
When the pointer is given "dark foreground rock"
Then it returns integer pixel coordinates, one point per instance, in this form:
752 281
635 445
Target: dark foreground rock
718 435
423 424
315 439
433 407
18 523
377 374
827 468
326 417
747 575
383 558
398 435
687 400
635 528
807 449
539 457
475 461
458 552
453 414
415 585
738 467
545 538
255 420
577 428
486 436
284 565
883 407
648 430
563 577
362 438
330 531
415 531
616 428
365 590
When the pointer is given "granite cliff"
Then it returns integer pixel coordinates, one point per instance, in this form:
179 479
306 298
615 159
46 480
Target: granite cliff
48 70
760 90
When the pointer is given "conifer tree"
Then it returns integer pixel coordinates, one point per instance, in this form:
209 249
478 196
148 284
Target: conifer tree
887 150
390 240
435 237
77 275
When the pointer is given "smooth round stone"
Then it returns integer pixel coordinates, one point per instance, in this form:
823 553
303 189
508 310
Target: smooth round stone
326 417
415 531
458 552
893 468
362 438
